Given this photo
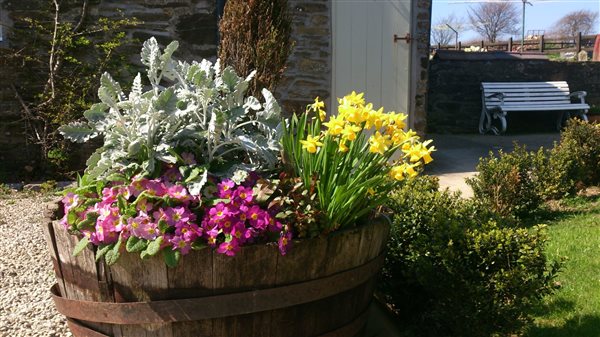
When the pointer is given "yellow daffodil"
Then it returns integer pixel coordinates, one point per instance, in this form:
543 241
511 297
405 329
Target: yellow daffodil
350 131
379 143
356 99
412 151
397 173
318 107
311 143
342 147
335 126
398 120
376 119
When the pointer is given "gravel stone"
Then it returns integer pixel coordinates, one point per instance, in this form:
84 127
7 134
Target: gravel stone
26 273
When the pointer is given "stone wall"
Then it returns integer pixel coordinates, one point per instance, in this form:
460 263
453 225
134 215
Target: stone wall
308 72
454 95
422 31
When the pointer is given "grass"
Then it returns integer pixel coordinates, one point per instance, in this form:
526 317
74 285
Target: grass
574 310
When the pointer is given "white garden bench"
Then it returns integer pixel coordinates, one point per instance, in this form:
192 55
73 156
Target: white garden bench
498 98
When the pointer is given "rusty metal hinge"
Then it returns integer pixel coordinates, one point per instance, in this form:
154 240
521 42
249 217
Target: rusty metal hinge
406 38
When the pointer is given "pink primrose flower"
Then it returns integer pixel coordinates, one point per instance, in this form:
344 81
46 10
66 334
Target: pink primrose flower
219 212
239 232
70 200
106 232
225 188
188 158
142 227
188 231
228 248
226 224
284 242
172 175
258 218
144 206
274 225
136 187
175 215
181 244
178 192
242 194
155 187
211 236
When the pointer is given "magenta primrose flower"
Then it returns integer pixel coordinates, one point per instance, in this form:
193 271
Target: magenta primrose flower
242 194
228 248
225 188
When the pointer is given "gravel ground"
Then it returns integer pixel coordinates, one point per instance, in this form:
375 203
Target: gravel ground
26 274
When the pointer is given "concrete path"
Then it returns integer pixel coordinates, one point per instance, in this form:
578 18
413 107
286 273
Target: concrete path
457 155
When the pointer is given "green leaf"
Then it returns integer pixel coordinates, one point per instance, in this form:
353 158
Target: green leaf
102 250
135 244
79 132
153 247
87 223
96 112
72 217
163 226
80 245
113 255
171 257
198 245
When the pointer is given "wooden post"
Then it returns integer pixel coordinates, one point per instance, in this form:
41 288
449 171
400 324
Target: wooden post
439 46
578 42
482 44
542 44
459 45
510 44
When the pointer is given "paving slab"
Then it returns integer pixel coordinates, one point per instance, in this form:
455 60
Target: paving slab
457 156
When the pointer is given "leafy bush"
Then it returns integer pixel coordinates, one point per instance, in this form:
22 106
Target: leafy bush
554 169
509 183
452 261
580 142
255 35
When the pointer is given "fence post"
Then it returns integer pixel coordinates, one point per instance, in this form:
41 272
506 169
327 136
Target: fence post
510 43
439 46
542 44
578 42
459 45
482 44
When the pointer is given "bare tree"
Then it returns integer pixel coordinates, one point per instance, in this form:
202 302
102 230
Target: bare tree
583 21
493 19
442 34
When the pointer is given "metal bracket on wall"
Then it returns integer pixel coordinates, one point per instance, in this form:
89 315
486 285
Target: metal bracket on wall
406 38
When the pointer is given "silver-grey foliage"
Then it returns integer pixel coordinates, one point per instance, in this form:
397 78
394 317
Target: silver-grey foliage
190 107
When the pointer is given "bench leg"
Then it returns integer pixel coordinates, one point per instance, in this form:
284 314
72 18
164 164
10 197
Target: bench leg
485 121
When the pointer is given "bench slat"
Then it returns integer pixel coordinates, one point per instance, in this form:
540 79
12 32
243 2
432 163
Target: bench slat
540 90
538 94
523 84
531 98
544 107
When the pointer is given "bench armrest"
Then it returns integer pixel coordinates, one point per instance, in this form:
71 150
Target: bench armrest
498 95
579 94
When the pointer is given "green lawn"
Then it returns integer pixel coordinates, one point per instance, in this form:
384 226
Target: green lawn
574 310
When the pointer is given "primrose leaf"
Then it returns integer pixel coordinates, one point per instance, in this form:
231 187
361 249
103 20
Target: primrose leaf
81 245
171 257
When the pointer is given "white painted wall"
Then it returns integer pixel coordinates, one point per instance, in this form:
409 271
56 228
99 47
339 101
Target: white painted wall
364 54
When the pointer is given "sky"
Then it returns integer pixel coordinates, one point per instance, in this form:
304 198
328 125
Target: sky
542 15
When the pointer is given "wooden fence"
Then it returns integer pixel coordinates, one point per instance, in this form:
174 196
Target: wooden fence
537 44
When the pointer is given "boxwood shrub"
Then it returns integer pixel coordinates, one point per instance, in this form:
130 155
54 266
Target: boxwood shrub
454 268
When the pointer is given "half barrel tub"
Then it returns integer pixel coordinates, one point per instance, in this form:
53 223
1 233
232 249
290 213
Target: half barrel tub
322 287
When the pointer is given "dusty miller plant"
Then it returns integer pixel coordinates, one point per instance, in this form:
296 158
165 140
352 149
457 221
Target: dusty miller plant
195 108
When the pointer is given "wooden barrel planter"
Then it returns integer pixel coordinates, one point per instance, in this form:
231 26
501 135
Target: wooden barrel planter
322 287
